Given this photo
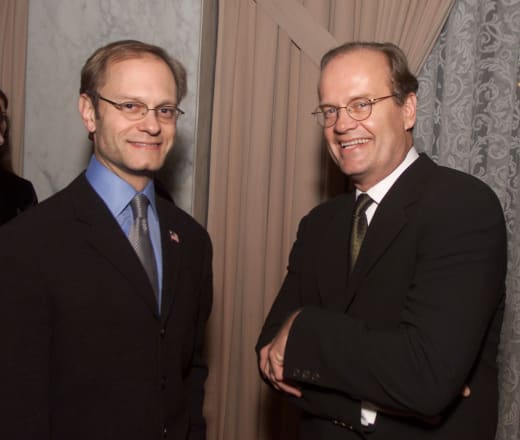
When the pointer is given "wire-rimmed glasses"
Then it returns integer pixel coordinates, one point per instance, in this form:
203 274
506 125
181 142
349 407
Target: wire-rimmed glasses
358 109
135 110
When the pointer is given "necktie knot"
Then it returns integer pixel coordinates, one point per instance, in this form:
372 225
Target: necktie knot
362 203
139 206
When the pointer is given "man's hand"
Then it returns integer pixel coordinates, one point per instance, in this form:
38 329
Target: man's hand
272 359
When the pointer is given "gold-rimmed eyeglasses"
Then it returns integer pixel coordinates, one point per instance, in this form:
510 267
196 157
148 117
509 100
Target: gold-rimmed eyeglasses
358 109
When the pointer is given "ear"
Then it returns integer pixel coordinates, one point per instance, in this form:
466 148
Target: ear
409 111
87 112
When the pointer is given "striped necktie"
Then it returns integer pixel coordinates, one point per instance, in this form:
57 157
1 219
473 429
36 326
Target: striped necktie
359 227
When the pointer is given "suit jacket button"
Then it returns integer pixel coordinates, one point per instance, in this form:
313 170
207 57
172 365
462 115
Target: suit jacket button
163 332
165 432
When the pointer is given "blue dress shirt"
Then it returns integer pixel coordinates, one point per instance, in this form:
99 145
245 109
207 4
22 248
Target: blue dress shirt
117 195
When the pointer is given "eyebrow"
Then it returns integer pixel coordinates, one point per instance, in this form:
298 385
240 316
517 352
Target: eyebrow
128 98
326 104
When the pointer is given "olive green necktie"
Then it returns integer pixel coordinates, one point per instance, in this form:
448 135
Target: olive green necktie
359 227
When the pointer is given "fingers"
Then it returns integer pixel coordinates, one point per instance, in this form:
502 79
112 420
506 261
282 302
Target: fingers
278 358
271 367
277 379
262 362
266 367
276 366
289 389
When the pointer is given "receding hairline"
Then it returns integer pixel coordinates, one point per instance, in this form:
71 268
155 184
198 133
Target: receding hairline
119 58
94 69
351 51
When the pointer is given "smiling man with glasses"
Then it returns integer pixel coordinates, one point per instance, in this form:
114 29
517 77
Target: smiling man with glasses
387 323
107 285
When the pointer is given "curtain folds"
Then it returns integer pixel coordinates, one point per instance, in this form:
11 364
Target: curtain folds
469 118
268 168
13 49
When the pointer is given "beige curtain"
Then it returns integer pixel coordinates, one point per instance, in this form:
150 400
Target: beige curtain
13 47
268 168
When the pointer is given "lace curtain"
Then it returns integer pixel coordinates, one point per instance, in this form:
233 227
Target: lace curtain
468 118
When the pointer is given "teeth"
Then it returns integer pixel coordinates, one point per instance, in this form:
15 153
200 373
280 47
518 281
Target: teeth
353 142
142 144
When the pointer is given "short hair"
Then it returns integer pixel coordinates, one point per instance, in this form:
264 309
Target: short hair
94 71
5 148
3 97
403 82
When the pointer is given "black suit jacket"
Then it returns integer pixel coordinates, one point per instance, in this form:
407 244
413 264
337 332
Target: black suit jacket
85 353
418 318
16 195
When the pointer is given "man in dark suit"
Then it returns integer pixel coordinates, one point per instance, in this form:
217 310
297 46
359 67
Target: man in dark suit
387 323
107 285
16 193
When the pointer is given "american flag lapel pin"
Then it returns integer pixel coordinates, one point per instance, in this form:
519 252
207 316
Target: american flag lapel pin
174 237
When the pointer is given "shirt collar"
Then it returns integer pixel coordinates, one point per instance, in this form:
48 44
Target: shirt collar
114 191
379 190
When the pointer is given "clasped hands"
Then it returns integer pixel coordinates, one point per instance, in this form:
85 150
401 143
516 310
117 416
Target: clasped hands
271 360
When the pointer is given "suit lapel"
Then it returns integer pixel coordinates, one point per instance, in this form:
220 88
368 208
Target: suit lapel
172 245
103 233
385 226
389 219
332 258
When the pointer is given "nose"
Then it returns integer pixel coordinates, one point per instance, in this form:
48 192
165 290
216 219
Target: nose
344 122
150 123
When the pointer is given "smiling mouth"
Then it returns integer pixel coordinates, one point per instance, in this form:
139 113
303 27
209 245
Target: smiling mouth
353 143
146 145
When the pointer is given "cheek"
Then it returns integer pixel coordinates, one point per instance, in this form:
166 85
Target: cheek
328 133
170 135
331 144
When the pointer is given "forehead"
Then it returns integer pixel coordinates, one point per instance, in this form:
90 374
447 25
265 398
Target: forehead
357 73
138 74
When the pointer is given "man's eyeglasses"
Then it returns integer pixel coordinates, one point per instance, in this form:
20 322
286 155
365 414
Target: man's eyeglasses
135 110
358 109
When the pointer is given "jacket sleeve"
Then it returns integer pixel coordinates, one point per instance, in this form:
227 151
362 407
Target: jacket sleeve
199 370
325 403
25 337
